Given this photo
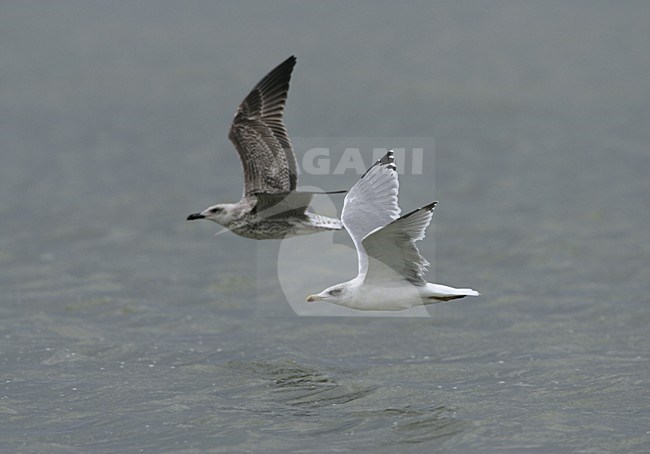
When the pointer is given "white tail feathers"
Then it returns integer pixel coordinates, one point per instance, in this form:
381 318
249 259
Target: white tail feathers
443 291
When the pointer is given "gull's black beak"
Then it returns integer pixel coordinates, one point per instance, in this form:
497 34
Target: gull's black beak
194 216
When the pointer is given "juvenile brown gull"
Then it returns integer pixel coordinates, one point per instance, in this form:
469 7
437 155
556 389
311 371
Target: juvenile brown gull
270 207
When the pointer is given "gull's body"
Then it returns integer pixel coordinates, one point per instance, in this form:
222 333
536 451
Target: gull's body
270 207
391 269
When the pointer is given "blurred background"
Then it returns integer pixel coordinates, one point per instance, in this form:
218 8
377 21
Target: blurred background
124 328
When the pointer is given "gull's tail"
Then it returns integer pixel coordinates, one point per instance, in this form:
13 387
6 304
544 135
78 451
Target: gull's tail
436 292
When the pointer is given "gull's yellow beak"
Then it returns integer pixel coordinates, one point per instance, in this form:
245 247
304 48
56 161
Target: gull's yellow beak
314 298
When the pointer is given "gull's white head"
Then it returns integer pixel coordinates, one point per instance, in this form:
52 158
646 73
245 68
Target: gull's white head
221 213
341 294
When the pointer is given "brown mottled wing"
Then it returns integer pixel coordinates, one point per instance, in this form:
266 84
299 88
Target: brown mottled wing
260 137
283 205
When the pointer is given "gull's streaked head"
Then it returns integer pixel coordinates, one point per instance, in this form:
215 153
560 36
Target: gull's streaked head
221 213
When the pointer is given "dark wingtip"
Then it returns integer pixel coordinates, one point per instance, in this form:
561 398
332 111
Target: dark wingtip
277 78
288 63
430 206
446 298
387 160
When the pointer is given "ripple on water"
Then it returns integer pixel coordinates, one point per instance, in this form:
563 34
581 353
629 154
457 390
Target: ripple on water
303 401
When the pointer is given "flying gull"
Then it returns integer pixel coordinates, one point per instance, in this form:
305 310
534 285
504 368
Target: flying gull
391 269
270 207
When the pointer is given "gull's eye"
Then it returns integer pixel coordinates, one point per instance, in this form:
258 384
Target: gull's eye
215 210
336 291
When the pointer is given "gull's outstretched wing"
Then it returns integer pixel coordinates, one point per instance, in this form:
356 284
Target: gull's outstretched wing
371 204
260 137
292 204
392 248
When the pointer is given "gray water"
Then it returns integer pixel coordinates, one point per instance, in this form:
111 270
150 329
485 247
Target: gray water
126 329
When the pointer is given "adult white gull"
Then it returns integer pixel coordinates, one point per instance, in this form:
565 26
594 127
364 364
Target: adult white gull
270 207
391 269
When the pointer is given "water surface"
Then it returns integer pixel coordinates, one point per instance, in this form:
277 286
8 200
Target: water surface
126 329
